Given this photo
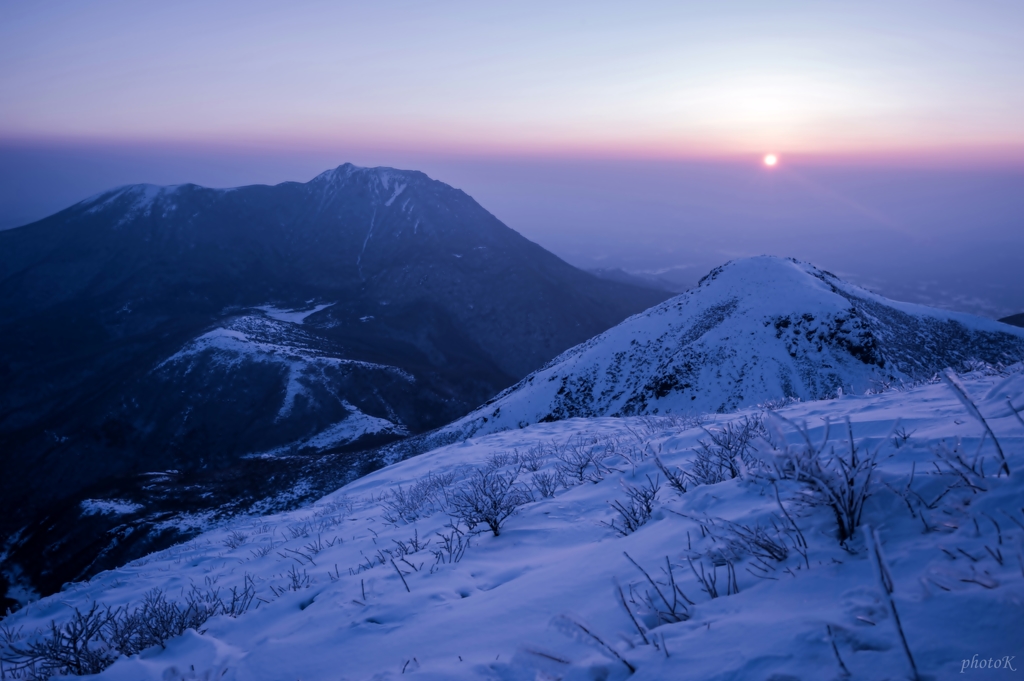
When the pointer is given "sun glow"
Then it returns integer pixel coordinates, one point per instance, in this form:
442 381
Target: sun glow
771 160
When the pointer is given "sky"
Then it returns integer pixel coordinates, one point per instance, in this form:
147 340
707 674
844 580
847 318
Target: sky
615 135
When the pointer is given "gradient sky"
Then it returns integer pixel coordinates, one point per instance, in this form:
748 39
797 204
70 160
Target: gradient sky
666 78
614 134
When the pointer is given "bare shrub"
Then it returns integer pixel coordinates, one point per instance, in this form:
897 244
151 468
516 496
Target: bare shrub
665 609
335 509
637 509
411 545
676 478
300 530
489 497
727 452
839 480
686 421
91 641
546 484
532 459
236 539
77 647
297 581
420 500
502 459
777 403
453 545
261 526
581 459
961 392
765 546
708 579
649 427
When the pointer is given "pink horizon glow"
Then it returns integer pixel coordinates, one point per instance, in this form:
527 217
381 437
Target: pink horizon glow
879 82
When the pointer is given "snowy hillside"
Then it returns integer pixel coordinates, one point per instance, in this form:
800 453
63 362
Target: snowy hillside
754 330
315 385
642 547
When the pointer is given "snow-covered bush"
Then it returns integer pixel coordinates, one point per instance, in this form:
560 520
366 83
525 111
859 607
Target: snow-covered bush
638 507
489 497
545 483
676 477
91 641
727 451
841 480
649 599
421 499
236 539
532 459
581 459
452 546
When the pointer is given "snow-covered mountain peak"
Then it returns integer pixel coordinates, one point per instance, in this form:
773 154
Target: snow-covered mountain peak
138 197
754 330
386 183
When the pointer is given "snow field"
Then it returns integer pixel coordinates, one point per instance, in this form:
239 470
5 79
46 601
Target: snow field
333 604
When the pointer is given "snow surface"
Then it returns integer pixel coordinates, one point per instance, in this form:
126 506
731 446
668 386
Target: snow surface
109 506
513 607
292 316
351 428
755 329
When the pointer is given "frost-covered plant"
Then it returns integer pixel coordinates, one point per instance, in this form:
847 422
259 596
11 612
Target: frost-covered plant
638 507
300 530
452 546
410 546
708 579
91 641
664 601
841 480
421 499
236 539
676 478
545 483
532 459
765 546
502 459
297 581
581 459
650 426
489 497
961 392
727 451
78 646
777 403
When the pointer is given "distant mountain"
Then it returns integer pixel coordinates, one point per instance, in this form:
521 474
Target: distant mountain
212 339
643 280
753 330
1014 319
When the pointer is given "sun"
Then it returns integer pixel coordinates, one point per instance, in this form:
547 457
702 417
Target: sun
771 160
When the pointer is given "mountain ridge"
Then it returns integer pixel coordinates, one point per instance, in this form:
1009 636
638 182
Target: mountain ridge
768 328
